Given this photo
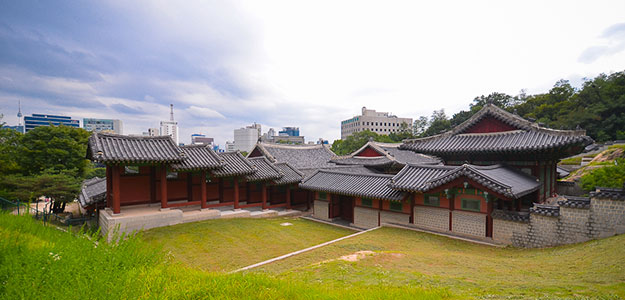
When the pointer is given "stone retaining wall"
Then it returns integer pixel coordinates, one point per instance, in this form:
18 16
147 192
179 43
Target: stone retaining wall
597 218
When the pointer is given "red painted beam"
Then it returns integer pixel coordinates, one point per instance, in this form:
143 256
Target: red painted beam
179 204
203 189
116 195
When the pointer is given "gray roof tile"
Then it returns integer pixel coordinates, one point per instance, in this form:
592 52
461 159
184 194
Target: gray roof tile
291 175
114 148
545 210
93 191
608 193
360 185
198 157
390 154
235 165
528 138
516 216
504 180
265 170
298 156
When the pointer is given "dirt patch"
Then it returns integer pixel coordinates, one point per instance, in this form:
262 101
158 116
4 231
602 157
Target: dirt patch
357 256
608 155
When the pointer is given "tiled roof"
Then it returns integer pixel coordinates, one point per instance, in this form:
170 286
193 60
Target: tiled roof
198 157
545 210
290 174
575 202
528 138
608 193
507 215
114 148
390 154
265 170
93 191
417 177
235 165
562 172
504 180
359 185
355 169
298 156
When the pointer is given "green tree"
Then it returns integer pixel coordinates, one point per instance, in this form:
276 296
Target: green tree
61 187
54 147
9 144
420 125
612 176
438 123
357 140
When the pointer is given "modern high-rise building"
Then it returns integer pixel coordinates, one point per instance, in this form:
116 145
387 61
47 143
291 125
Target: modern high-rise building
170 127
378 122
245 138
230 147
37 120
289 131
103 125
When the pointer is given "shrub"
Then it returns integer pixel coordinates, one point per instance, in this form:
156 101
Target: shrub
611 176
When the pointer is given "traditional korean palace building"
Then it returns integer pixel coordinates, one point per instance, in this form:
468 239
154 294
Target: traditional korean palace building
488 178
452 182
146 172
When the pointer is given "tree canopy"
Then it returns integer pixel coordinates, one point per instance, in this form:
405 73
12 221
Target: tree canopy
598 106
46 161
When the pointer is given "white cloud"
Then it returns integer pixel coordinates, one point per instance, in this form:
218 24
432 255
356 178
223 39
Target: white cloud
204 112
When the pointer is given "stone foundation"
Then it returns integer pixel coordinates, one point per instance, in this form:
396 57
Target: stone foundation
320 210
394 217
365 217
469 223
432 218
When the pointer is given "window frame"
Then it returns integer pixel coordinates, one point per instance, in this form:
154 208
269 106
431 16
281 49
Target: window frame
394 203
464 207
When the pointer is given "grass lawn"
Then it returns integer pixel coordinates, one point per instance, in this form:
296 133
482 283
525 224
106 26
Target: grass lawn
407 258
229 244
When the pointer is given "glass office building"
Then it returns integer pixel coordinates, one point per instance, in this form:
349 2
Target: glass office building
37 120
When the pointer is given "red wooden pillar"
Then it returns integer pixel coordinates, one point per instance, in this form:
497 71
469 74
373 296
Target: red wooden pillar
452 206
203 189
380 203
189 186
263 194
163 186
221 190
109 186
309 196
116 195
288 197
330 206
152 184
236 192
412 201
247 192
489 219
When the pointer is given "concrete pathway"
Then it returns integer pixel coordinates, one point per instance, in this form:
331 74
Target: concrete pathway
302 251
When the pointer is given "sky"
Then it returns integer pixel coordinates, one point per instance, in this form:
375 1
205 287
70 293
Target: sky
309 64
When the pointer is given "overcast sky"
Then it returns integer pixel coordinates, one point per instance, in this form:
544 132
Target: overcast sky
309 64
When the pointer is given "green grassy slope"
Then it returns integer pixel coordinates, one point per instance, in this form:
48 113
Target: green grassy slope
226 245
42 262
408 258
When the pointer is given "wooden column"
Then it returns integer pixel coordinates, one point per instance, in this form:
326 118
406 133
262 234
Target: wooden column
452 206
412 201
163 176
152 184
380 203
236 192
221 189
247 192
116 195
329 205
189 186
288 196
489 219
263 195
309 197
109 187
203 189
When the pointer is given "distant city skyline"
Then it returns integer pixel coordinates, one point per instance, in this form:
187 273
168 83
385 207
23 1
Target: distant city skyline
225 65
